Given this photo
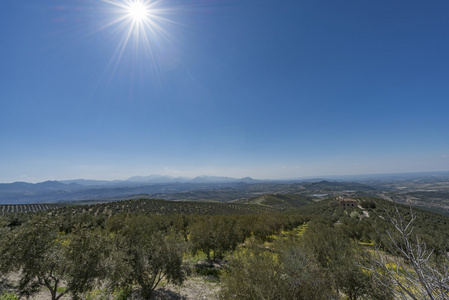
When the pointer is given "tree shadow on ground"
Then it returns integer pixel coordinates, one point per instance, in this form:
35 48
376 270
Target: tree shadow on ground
5 285
165 294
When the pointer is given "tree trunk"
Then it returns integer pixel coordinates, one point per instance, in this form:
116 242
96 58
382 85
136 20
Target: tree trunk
146 292
53 294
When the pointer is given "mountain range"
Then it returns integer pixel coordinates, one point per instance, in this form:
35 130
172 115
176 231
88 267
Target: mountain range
153 179
83 189
215 188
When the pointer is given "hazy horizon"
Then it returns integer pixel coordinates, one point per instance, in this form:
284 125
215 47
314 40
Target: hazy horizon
266 89
318 177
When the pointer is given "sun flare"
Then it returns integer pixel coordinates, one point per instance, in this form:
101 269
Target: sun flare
143 27
137 11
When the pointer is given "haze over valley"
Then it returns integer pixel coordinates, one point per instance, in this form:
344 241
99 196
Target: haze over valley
428 190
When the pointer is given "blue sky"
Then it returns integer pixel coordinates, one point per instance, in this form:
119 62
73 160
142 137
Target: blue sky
267 89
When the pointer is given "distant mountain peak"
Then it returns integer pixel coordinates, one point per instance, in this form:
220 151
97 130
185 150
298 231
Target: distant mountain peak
247 179
156 178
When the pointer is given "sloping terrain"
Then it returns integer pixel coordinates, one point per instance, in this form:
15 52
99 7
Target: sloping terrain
163 207
278 201
21 193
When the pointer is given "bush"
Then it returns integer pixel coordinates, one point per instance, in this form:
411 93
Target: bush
253 275
354 215
259 273
9 296
47 258
204 271
215 235
144 255
368 204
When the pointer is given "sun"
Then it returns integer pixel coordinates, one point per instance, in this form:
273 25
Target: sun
144 27
137 11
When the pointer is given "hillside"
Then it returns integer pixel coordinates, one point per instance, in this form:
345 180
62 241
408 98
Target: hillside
26 208
164 207
278 201
223 243
22 193
432 226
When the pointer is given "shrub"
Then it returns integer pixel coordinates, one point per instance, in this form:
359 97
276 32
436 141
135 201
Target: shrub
143 255
259 273
9 296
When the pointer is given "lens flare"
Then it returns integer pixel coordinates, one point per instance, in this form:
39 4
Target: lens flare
137 11
142 27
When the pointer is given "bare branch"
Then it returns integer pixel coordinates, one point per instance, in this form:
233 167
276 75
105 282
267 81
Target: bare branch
414 276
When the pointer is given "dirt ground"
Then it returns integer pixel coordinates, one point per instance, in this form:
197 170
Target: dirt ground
195 288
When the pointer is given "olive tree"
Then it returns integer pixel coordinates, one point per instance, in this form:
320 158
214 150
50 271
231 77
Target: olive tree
144 255
47 258
284 272
337 255
215 235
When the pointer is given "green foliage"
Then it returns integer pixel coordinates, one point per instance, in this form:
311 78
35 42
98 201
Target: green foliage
354 214
358 230
305 277
264 226
13 220
104 294
69 251
432 227
122 293
143 254
205 271
163 207
410 267
96 294
368 204
328 209
279 201
25 208
85 220
181 224
215 234
336 254
253 274
9 296
33 248
48 258
257 273
85 257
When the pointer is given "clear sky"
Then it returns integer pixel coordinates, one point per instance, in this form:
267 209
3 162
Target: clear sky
266 88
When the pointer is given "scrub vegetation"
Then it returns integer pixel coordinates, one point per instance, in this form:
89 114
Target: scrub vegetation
123 250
